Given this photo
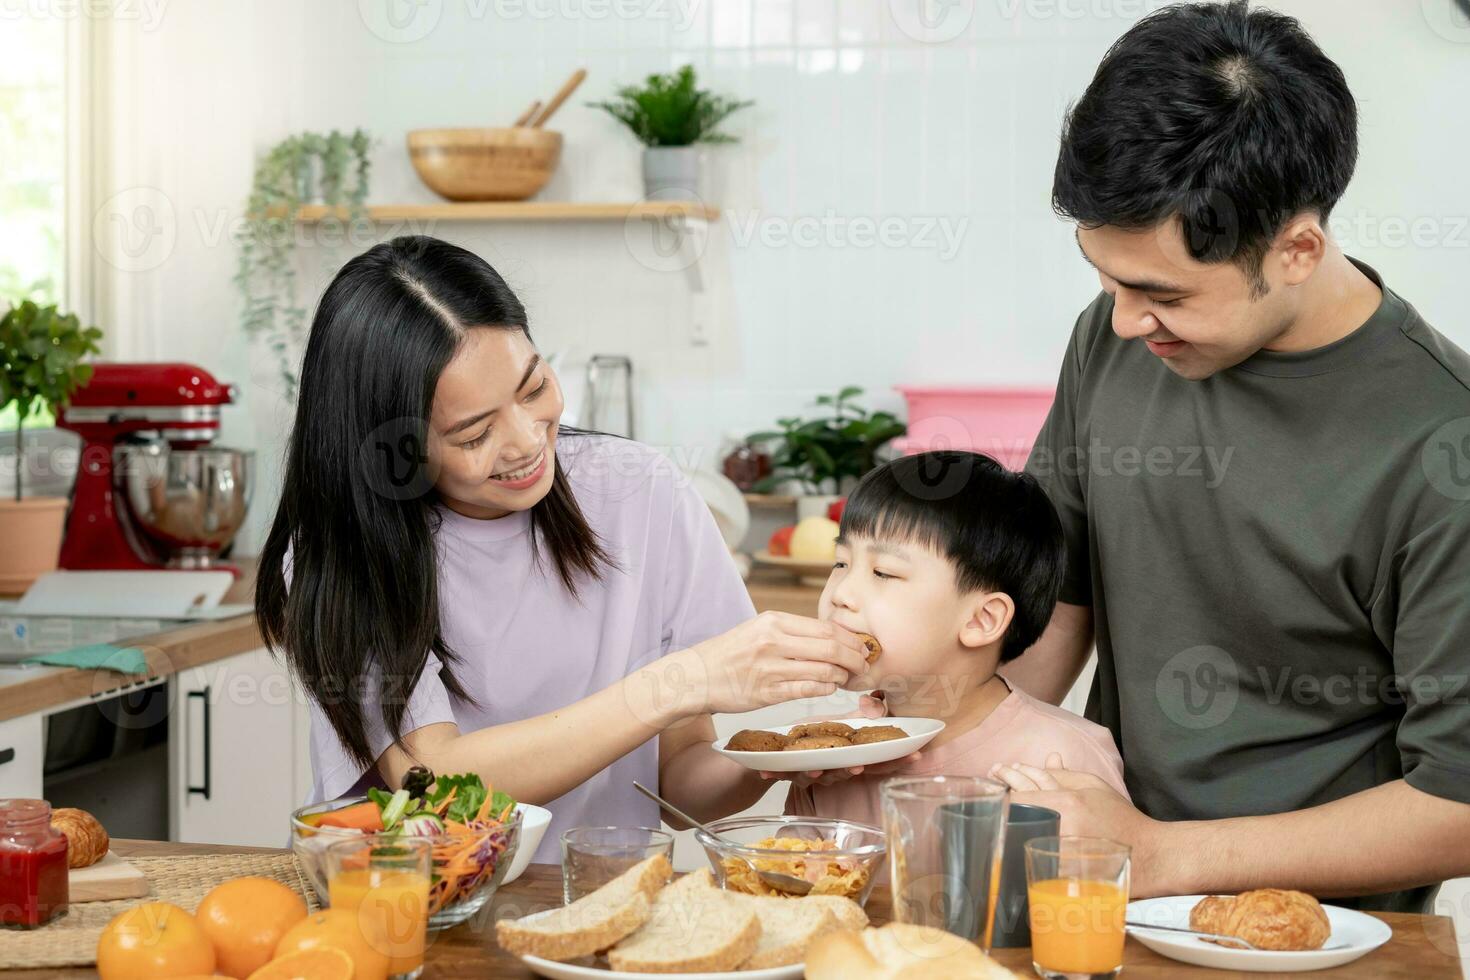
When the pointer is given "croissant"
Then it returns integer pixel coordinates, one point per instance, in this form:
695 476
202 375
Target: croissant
1267 918
86 840
1212 913
1274 918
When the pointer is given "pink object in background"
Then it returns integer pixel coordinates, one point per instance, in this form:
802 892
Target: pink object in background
1001 422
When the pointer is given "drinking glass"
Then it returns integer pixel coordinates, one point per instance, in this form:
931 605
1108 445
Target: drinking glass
945 840
1077 888
387 884
593 856
1024 823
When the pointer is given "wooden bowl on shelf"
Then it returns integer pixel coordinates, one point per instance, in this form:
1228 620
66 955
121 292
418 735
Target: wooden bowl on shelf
505 164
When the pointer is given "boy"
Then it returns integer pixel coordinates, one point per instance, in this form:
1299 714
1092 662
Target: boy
953 563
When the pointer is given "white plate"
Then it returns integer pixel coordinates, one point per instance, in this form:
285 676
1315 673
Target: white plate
1354 934
921 732
583 969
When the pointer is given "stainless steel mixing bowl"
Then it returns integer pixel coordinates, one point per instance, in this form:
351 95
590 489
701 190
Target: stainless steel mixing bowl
188 502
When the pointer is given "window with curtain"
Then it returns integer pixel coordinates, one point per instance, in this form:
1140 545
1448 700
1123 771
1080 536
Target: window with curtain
32 163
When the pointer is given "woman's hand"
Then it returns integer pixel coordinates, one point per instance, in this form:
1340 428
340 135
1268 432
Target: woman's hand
827 777
772 658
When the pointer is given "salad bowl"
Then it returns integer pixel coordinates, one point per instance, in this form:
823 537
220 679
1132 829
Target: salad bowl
474 834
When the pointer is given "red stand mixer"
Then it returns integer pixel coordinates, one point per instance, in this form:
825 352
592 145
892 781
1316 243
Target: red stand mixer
152 491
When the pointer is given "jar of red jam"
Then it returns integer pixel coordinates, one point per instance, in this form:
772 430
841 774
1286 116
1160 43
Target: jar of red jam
33 868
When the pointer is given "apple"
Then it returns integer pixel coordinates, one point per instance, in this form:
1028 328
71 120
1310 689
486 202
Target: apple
815 539
780 543
835 508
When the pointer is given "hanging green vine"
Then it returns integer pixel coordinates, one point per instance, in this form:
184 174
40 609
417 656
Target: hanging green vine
307 168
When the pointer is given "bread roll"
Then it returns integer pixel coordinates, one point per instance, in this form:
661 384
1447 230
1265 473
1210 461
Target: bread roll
900 952
86 840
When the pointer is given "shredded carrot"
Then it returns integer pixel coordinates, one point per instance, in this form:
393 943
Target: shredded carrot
444 803
485 803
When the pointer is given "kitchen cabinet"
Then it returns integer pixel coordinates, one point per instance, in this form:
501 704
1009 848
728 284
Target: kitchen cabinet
236 751
22 756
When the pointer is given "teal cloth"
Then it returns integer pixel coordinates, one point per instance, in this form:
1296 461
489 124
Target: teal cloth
124 660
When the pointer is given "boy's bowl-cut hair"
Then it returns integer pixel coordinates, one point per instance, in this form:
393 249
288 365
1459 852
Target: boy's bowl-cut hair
996 528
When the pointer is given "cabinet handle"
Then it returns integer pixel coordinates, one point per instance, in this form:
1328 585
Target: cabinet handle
7 755
204 697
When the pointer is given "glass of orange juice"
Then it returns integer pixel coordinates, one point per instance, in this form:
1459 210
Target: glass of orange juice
1077 889
387 883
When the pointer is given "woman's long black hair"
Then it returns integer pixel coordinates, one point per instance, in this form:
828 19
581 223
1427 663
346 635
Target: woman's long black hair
347 582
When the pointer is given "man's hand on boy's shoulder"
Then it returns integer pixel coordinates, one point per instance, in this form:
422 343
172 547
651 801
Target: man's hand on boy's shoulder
868 706
1089 807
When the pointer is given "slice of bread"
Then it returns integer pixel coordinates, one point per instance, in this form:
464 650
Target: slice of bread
849 914
593 922
787 930
788 925
693 929
900 952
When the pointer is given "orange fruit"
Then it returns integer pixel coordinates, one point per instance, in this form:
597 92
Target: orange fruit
153 940
338 929
326 963
245 918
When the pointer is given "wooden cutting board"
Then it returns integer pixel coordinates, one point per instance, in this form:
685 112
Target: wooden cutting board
108 879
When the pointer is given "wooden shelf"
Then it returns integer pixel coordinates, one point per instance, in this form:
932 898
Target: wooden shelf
520 211
769 501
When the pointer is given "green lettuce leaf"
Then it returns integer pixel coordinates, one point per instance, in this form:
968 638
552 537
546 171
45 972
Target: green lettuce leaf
466 803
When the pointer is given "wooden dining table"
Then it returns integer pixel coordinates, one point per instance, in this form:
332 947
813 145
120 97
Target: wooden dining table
1423 947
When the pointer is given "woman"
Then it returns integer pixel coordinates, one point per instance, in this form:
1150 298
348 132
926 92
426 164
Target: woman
461 583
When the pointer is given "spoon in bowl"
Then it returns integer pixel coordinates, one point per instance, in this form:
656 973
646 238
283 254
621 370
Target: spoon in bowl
782 883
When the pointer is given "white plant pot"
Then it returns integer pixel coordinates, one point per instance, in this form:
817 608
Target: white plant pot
671 173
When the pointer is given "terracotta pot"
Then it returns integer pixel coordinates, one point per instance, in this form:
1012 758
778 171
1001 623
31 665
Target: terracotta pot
31 529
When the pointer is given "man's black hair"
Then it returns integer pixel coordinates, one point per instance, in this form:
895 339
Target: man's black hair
1230 118
996 527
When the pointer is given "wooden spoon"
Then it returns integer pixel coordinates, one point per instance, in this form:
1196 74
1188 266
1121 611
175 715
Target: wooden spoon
562 94
525 117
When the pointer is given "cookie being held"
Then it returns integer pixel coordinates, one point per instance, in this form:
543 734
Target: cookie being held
877 733
822 728
755 740
875 649
817 742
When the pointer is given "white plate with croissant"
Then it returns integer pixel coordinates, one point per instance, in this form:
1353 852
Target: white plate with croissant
1306 934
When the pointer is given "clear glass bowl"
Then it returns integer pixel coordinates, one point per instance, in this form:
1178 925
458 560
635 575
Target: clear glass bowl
848 869
310 842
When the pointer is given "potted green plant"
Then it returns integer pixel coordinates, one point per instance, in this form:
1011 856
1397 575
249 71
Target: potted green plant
670 114
825 456
42 362
307 168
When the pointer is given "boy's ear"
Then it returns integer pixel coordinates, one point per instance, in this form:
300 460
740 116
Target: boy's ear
989 616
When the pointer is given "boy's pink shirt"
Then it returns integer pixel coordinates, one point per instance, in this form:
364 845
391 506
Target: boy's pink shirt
1020 729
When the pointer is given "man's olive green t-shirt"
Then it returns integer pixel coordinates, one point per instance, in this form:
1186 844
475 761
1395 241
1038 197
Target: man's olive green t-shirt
1277 558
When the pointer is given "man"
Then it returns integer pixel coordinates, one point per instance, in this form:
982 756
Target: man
1261 456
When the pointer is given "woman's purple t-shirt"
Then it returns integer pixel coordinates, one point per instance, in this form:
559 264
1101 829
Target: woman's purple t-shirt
526 647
